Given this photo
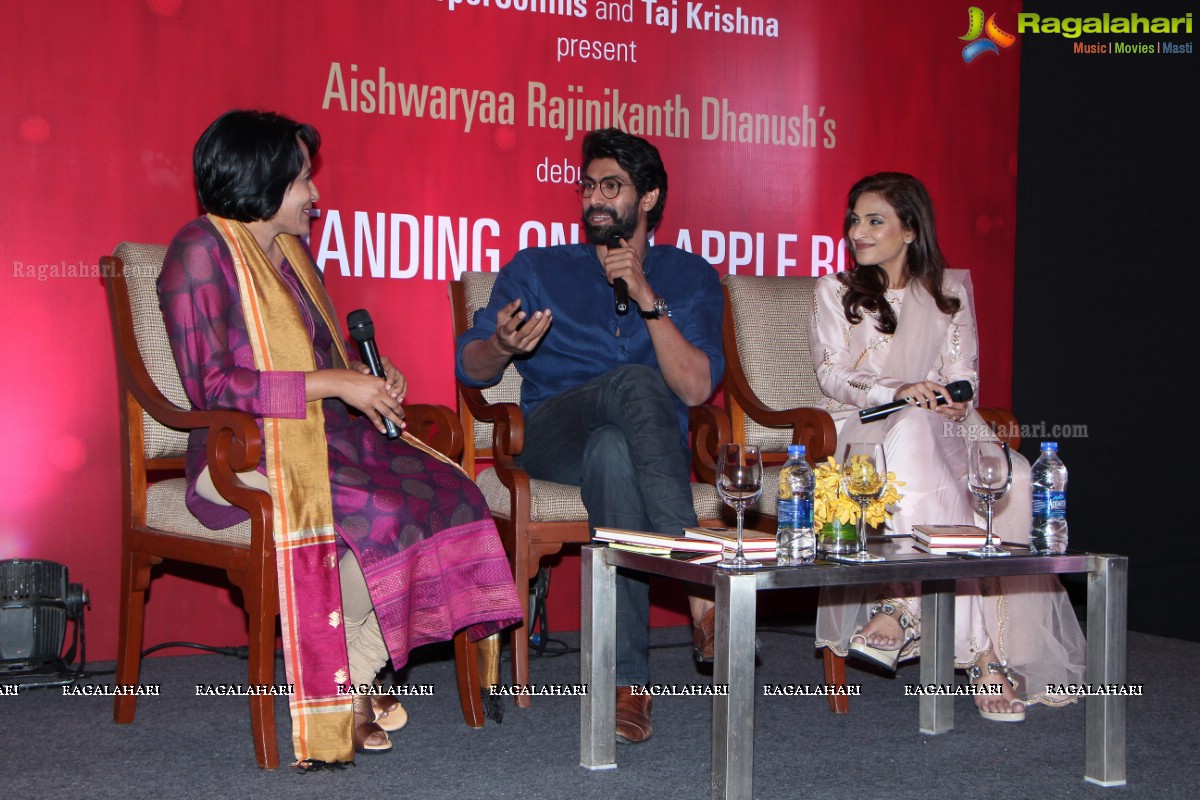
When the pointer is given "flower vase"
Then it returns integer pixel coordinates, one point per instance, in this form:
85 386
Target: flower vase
836 538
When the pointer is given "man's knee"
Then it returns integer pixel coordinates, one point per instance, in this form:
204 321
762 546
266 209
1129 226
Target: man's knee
607 452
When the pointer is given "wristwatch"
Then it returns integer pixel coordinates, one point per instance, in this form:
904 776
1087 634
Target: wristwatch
660 310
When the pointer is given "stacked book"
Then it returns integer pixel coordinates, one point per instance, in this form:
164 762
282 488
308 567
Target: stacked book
656 544
945 539
756 545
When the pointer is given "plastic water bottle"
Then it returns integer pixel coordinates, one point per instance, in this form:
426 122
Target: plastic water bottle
795 542
1049 479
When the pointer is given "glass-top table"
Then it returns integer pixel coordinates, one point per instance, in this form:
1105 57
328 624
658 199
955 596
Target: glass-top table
736 600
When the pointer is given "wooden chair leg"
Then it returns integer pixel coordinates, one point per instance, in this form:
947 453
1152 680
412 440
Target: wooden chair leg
135 579
262 608
835 675
466 669
519 637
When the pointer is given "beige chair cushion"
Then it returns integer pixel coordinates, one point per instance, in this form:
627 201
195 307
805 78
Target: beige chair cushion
143 263
549 501
560 502
770 320
166 510
706 501
768 502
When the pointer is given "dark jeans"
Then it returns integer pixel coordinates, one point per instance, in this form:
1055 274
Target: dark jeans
618 438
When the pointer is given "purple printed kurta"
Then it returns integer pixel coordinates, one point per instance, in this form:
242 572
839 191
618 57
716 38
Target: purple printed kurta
421 530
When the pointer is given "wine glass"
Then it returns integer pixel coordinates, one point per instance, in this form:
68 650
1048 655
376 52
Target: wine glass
864 477
989 476
739 482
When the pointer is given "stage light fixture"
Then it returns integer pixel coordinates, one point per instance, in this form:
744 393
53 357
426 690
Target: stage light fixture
36 602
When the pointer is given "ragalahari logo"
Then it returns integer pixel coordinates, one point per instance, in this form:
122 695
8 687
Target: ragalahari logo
996 40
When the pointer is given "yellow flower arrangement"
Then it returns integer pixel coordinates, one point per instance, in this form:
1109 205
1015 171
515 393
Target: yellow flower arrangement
830 502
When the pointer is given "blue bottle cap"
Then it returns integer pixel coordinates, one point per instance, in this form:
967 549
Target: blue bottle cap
796 451
1050 446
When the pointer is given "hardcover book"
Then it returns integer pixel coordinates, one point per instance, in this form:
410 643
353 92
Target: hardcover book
949 539
664 544
961 536
752 541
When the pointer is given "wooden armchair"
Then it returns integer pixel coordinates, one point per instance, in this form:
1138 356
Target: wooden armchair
535 517
773 397
156 524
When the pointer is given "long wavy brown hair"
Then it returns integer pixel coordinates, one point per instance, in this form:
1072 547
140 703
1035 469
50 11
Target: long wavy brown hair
923 262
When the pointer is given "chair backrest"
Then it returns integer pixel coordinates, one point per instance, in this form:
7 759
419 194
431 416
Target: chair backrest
142 337
766 338
468 295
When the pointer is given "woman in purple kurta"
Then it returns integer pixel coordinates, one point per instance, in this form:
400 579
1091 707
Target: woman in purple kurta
417 526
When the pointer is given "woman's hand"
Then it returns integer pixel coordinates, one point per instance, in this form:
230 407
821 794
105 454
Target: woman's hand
377 398
924 394
393 379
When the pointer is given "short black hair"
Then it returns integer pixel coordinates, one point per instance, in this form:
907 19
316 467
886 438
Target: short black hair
245 161
637 157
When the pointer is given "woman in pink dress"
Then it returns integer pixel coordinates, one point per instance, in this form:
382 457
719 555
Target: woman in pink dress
900 325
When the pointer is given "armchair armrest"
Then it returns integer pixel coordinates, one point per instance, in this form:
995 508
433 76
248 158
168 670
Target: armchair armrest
437 426
508 440
710 428
234 445
508 424
811 427
234 441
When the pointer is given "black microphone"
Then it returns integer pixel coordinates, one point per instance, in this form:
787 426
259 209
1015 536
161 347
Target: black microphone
362 331
958 391
621 296
620 288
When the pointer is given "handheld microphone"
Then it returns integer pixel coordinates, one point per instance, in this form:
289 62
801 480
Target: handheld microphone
958 391
362 331
620 288
621 296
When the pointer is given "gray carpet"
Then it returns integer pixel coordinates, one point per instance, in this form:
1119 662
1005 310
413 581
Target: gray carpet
184 746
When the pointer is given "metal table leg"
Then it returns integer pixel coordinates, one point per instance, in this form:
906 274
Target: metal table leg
598 661
1106 621
733 667
937 655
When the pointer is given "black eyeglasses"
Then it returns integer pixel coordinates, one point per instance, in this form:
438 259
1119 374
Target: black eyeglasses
609 187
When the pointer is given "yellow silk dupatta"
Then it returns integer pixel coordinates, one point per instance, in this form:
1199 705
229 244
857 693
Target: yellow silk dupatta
310 602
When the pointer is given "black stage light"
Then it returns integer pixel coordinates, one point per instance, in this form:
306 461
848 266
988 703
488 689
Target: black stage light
36 602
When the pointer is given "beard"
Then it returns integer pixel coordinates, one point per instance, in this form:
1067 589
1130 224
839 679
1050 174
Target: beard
621 227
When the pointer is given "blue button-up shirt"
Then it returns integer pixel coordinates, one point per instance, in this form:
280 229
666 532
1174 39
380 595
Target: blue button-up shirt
587 337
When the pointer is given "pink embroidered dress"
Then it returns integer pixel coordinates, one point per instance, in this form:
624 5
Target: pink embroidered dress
420 529
1028 620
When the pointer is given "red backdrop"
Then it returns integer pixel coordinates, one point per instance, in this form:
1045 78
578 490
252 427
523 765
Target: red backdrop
450 132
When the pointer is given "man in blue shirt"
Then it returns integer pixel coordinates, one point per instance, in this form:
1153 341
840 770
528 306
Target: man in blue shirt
606 394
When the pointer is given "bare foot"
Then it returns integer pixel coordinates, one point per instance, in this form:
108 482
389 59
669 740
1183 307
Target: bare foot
1004 703
883 632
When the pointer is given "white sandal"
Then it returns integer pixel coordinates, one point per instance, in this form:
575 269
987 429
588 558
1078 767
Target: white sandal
885 659
996 668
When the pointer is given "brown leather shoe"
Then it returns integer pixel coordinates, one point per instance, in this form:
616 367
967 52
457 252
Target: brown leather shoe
703 633
633 716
